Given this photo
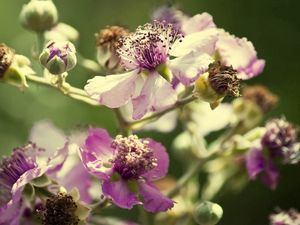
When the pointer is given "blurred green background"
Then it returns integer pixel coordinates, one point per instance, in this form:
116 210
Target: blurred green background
272 25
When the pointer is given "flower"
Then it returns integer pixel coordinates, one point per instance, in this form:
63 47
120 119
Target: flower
106 41
64 209
230 50
218 82
13 67
169 15
240 54
290 217
49 137
278 141
127 167
59 56
146 54
17 170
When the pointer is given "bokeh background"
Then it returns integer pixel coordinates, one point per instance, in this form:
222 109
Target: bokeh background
272 25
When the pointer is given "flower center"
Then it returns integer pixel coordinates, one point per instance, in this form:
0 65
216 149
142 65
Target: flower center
11 169
149 46
134 157
223 79
60 209
6 57
280 135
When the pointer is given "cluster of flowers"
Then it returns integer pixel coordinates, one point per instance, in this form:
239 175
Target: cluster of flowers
173 67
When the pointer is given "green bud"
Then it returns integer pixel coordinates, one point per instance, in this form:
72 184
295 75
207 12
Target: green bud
62 32
58 57
39 15
208 213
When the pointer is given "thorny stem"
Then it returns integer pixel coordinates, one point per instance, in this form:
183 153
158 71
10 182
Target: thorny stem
123 124
75 93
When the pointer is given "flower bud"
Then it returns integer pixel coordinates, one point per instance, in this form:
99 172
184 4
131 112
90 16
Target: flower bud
39 15
13 67
107 41
215 84
208 213
58 57
62 32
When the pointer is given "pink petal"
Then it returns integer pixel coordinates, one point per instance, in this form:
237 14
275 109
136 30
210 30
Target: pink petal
96 152
157 94
154 201
198 23
201 42
255 162
113 90
120 194
240 54
270 178
187 68
162 157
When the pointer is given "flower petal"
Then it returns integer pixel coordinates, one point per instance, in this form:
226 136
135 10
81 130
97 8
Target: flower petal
187 68
45 135
96 152
270 178
240 54
210 120
157 94
162 157
11 213
202 42
255 162
153 200
112 90
120 194
198 23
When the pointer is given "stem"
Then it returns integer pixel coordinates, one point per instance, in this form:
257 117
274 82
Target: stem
123 124
75 93
178 104
40 42
144 216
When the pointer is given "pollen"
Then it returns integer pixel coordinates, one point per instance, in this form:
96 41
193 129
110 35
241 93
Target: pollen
134 157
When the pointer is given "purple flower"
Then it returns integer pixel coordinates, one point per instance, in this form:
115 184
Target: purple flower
17 170
169 15
47 136
127 167
290 217
236 52
146 54
278 142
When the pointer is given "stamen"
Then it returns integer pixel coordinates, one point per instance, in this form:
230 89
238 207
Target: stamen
12 168
149 46
134 157
60 209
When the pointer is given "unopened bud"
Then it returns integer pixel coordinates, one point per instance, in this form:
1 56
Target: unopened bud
39 15
62 32
208 213
59 57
